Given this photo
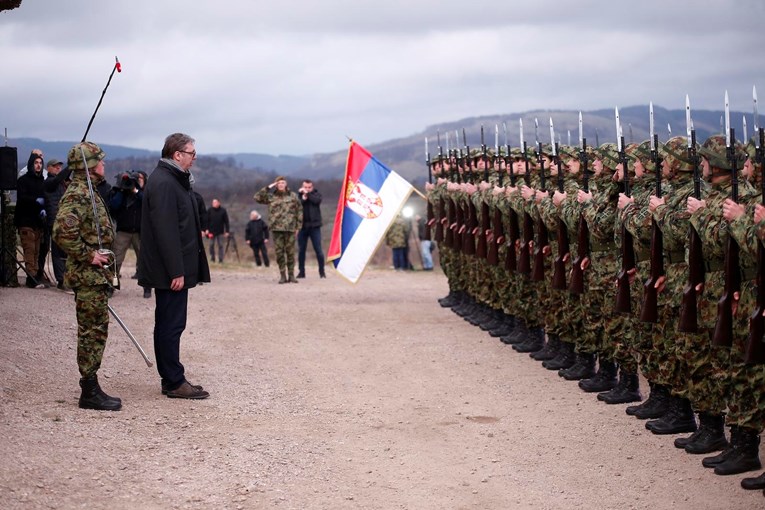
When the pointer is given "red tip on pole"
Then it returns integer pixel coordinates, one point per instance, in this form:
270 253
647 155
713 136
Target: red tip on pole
119 66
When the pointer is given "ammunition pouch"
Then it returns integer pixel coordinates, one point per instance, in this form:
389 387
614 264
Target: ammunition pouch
642 255
674 257
748 273
713 265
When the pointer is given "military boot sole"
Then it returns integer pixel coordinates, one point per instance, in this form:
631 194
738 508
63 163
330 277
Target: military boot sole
651 413
109 405
622 398
710 462
531 347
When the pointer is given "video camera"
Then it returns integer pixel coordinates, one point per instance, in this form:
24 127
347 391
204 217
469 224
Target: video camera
126 181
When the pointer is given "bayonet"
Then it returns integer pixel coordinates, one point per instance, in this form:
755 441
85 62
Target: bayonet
688 122
746 132
552 139
447 143
569 137
618 130
651 130
727 121
756 119
669 131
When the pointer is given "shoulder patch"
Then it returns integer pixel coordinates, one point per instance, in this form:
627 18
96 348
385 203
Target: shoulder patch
71 220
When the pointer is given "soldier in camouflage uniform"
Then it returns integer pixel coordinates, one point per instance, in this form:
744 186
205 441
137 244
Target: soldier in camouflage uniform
710 389
8 249
285 214
81 236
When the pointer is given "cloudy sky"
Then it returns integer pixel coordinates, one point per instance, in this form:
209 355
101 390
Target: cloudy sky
296 76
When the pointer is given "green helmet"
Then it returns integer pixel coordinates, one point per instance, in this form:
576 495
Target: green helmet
92 153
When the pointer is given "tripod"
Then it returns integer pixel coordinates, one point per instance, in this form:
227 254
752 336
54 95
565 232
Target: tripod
231 240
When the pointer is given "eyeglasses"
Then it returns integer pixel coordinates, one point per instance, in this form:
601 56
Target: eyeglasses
193 154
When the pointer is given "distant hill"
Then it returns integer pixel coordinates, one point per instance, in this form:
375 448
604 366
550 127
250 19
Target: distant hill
406 155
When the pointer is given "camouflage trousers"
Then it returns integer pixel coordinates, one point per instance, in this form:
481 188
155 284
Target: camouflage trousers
123 241
284 246
30 245
746 382
92 327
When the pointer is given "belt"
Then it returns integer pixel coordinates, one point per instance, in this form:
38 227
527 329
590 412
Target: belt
714 265
605 246
674 257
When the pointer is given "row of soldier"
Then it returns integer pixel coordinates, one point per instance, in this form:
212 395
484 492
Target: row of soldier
550 249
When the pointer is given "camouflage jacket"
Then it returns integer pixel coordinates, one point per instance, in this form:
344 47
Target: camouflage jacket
74 231
285 213
398 233
636 217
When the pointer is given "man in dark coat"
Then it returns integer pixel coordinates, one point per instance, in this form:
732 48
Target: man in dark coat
310 198
55 186
256 235
172 258
31 217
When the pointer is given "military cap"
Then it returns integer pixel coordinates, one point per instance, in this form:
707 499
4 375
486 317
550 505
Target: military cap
608 155
716 152
92 153
675 152
280 178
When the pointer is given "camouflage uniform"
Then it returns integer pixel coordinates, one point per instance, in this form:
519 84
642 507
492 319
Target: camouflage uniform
75 232
9 279
285 215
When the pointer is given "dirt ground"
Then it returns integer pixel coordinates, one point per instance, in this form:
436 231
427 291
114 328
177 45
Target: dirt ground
324 395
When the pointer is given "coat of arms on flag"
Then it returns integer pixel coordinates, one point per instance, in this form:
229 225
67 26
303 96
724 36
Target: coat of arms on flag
373 196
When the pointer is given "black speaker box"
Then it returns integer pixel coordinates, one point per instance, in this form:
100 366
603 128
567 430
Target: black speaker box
9 168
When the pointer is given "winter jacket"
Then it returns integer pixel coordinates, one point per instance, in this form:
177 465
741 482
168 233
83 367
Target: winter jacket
311 209
256 231
171 244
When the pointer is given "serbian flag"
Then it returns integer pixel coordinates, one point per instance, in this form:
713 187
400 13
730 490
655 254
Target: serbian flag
371 198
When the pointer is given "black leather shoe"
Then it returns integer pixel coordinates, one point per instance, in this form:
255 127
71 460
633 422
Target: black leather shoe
301 274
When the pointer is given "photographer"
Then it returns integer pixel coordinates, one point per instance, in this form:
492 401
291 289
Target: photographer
125 204
310 199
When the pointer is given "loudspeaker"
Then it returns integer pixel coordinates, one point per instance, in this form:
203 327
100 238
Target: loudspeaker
9 168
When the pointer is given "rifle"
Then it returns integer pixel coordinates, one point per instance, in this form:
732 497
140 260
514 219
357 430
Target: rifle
431 214
543 234
498 232
723 333
623 303
559 265
524 260
576 285
511 264
755 346
481 250
649 311
470 214
688 320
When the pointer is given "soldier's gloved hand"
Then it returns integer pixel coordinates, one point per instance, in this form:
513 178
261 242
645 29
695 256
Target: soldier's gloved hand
40 200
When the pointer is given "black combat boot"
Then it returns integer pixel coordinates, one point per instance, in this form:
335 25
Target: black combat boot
549 351
93 397
496 320
466 306
655 406
518 335
678 420
478 316
449 300
710 436
505 328
745 455
626 390
583 368
565 358
714 460
534 341
604 380
754 483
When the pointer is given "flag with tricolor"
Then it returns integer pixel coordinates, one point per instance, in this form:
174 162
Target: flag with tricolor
371 198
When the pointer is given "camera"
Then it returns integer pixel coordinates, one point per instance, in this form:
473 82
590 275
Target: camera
126 181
